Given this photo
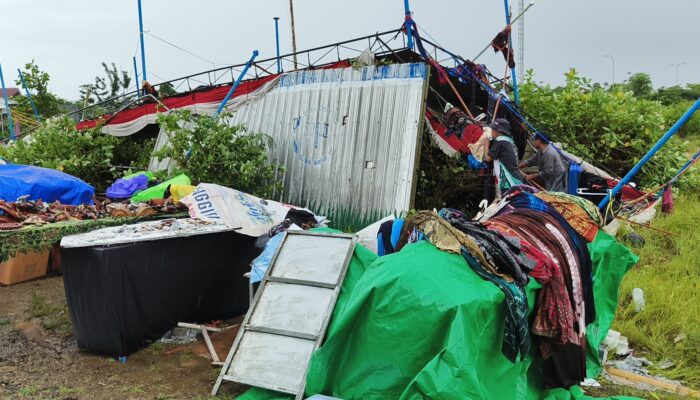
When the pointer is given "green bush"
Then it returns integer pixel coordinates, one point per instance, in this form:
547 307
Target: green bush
673 112
89 155
609 128
213 151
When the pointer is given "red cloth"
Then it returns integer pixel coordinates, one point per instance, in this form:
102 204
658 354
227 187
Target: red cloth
667 200
554 316
471 134
211 95
628 192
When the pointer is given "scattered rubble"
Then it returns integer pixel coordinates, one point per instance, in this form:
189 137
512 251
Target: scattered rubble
15 215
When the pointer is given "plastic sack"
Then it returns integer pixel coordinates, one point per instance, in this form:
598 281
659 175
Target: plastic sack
157 192
124 188
179 191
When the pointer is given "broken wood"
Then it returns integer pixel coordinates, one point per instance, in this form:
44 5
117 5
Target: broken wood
656 383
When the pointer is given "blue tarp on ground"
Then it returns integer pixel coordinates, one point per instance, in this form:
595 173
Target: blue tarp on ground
46 184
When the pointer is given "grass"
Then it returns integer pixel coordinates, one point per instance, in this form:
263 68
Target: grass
28 391
53 317
65 390
669 274
156 348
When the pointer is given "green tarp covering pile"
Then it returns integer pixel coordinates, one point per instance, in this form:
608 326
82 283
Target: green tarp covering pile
422 324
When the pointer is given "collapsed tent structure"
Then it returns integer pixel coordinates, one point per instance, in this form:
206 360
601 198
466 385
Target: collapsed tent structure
505 307
352 124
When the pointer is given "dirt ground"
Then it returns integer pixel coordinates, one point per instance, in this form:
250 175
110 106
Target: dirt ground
39 358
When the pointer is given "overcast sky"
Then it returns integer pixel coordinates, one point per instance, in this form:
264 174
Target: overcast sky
70 38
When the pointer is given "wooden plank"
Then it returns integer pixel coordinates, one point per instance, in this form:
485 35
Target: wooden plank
210 346
657 383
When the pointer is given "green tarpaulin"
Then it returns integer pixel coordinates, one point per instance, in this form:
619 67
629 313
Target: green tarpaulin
157 192
421 324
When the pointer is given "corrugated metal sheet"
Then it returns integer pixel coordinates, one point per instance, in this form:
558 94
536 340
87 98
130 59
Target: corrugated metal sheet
347 137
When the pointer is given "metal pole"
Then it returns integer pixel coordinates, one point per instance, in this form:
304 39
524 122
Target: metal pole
235 85
521 41
7 106
294 37
517 17
409 23
277 43
513 73
613 67
678 67
143 50
29 95
136 77
650 153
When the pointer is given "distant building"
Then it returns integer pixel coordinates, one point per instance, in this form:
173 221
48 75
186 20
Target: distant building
11 94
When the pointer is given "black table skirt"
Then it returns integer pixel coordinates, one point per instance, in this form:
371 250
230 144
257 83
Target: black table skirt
122 297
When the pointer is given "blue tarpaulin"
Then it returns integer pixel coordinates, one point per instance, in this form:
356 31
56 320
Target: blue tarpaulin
46 184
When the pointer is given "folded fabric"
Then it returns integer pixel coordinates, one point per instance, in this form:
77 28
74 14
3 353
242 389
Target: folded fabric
578 215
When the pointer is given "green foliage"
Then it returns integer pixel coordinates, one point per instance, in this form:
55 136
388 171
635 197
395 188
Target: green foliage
678 94
166 89
445 181
674 111
105 87
37 81
610 128
640 85
213 151
89 155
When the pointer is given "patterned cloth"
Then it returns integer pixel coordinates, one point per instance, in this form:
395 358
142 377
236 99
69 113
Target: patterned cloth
580 213
516 337
553 311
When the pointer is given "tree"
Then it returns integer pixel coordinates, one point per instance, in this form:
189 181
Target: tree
106 87
211 150
166 89
678 94
613 129
640 85
37 82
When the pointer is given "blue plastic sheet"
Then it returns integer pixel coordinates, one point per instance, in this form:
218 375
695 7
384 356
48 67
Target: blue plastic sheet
260 264
46 184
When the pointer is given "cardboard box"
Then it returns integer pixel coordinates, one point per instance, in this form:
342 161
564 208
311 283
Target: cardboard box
23 267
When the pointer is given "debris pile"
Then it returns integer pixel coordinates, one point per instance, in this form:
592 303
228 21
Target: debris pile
15 215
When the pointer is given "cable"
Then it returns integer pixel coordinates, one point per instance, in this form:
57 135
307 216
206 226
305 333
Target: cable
180 48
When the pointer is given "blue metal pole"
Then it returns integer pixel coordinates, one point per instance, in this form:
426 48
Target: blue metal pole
143 50
408 23
651 153
29 95
235 85
277 43
7 106
512 70
136 77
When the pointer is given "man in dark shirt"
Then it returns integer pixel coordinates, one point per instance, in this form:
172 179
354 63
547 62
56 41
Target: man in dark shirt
501 148
552 169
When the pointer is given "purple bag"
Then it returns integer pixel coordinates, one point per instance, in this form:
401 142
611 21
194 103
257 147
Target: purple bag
125 188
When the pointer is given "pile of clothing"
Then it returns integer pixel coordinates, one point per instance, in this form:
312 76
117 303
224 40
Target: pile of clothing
528 234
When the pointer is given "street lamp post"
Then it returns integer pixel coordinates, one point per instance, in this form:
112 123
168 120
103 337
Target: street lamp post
613 67
678 67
